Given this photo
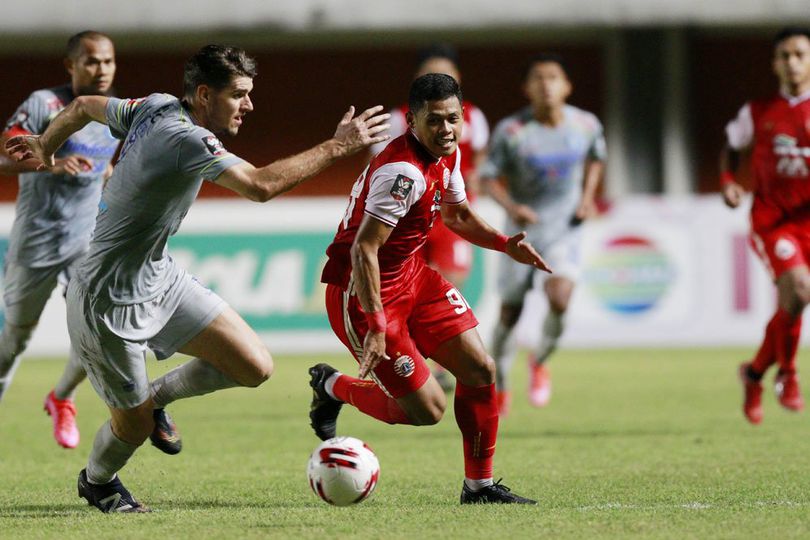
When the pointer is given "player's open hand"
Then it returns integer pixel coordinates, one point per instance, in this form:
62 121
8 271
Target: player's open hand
373 352
523 215
23 147
73 165
733 194
356 133
519 249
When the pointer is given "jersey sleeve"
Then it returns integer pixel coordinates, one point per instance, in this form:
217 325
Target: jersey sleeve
393 189
480 130
121 114
456 193
31 117
203 155
497 157
598 149
740 131
398 126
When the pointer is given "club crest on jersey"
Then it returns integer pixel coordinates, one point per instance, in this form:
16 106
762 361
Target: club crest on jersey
401 188
446 178
214 145
784 249
404 366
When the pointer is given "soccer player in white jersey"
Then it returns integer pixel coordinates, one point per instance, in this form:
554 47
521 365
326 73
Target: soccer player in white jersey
55 215
128 294
549 157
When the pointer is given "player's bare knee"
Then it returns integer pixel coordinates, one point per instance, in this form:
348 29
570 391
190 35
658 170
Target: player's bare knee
429 414
510 315
481 372
260 367
133 425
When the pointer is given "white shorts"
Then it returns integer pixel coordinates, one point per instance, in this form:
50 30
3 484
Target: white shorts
111 340
516 279
26 290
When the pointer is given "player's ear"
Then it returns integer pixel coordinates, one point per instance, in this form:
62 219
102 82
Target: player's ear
410 119
203 94
68 62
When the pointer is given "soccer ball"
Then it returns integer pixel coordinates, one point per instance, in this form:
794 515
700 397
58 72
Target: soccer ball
343 471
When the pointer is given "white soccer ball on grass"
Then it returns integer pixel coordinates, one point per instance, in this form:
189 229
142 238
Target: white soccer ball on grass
343 471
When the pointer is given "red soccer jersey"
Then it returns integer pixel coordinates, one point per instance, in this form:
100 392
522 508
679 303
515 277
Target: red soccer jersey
779 129
404 187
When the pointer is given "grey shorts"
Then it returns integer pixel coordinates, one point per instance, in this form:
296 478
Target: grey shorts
111 340
26 290
516 279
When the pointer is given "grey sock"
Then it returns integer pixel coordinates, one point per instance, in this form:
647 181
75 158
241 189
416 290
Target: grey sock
503 351
194 378
109 455
71 377
553 327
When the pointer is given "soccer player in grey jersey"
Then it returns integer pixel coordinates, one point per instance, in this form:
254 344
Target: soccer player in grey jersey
55 215
128 294
550 158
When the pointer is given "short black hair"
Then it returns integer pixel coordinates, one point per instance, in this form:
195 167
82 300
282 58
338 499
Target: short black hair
544 58
432 87
215 66
74 44
437 50
789 32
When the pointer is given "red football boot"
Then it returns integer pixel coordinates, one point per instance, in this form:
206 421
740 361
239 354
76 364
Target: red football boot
63 414
752 402
539 385
788 392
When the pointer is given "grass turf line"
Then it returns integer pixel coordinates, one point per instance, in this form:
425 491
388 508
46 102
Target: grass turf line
636 443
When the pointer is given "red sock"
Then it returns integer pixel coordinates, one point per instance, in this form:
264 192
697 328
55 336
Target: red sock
369 399
477 416
787 341
766 355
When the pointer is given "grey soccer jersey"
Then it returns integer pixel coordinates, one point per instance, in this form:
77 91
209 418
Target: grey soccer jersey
55 213
163 161
544 166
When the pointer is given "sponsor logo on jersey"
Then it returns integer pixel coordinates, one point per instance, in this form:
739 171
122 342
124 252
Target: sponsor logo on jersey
54 104
784 249
18 119
404 366
401 188
792 157
214 145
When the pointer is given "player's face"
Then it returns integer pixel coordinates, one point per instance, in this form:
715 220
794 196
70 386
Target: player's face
791 62
546 85
93 71
439 65
226 108
438 125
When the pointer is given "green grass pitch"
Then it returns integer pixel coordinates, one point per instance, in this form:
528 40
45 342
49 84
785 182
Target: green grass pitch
636 443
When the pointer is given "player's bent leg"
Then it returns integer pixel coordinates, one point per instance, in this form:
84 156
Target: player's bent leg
793 288
425 406
60 406
13 341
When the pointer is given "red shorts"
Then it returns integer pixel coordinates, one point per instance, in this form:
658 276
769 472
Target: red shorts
784 247
427 313
446 251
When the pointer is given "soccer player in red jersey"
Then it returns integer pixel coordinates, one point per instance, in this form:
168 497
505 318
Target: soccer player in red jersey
392 311
776 131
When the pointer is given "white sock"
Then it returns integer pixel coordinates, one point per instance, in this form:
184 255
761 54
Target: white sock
109 455
71 377
194 378
329 385
553 327
477 485
503 351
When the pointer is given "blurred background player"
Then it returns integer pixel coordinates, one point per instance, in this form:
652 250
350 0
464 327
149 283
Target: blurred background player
550 159
128 294
776 131
55 215
445 251
392 311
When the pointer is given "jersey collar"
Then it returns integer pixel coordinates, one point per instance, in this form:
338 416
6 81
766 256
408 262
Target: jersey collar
795 100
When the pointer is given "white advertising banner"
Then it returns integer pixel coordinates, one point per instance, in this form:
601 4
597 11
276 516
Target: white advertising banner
656 272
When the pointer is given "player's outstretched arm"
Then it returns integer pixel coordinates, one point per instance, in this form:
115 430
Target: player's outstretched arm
80 112
371 236
352 135
466 223
594 171
732 191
